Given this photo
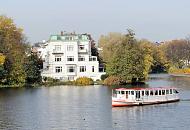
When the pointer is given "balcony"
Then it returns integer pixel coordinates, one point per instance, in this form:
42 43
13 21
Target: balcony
57 51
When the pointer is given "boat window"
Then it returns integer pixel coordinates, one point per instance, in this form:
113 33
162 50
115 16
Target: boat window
122 92
163 92
114 92
132 92
129 92
118 92
142 93
156 92
160 92
175 91
147 93
167 91
126 92
170 91
151 92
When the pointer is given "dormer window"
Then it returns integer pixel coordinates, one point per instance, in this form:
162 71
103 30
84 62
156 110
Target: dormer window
81 47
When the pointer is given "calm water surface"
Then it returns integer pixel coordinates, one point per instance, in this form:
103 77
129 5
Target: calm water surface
89 108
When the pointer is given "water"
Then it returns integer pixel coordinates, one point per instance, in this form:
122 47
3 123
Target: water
89 108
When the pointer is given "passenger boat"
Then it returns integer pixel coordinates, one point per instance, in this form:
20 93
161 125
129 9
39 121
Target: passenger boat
143 96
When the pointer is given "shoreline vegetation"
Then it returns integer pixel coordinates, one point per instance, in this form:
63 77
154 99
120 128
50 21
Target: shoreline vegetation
127 59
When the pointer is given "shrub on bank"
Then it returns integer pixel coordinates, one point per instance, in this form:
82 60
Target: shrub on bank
104 76
84 81
113 80
179 71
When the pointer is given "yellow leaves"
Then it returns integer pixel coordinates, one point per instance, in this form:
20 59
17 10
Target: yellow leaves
7 25
2 58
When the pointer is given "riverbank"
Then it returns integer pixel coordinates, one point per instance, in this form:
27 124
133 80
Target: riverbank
180 75
50 84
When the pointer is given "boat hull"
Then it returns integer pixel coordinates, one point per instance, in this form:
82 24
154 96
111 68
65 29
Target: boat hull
127 104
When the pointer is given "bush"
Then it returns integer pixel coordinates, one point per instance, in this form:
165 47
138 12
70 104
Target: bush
113 80
104 76
84 81
49 79
179 71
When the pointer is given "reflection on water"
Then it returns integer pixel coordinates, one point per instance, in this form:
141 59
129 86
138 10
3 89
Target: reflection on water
89 108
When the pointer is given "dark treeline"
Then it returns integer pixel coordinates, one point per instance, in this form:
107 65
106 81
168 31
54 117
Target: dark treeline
18 66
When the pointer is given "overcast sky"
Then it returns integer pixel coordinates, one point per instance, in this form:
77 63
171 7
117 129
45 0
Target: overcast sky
156 20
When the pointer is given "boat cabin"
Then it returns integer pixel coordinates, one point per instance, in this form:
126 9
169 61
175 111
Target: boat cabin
144 95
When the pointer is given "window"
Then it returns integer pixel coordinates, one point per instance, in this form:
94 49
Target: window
167 91
151 92
58 69
68 38
175 91
70 48
142 93
156 92
129 92
122 92
57 47
81 58
147 93
159 92
92 68
132 92
92 59
70 78
82 68
163 92
81 47
170 91
70 69
70 58
57 58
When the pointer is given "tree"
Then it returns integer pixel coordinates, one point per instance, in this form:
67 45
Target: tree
94 51
160 61
125 58
15 74
109 44
177 51
32 69
2 74
12 45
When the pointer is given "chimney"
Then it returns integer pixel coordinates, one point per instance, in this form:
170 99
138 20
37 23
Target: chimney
61 33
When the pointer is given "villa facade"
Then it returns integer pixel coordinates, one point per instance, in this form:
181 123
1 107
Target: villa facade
68 56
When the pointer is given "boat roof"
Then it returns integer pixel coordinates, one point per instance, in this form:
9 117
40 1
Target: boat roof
137 88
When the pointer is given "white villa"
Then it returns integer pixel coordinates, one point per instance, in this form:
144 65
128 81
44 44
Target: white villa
68 56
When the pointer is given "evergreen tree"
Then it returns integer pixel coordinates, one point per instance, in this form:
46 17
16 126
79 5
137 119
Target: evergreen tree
32 69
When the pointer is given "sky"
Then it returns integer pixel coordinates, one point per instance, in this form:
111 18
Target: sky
155 20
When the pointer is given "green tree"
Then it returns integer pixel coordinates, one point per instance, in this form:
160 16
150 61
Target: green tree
14 67
160 61
32 69
126 59
2 74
